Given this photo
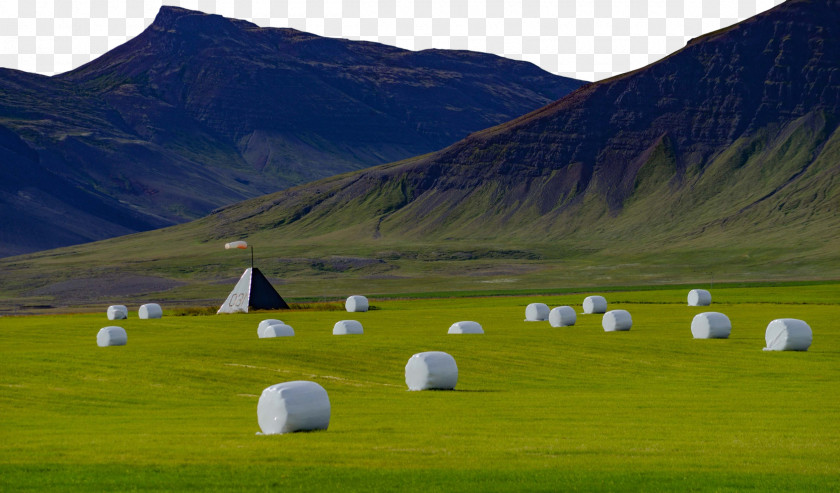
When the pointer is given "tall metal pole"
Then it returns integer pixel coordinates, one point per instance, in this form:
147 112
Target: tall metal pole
252 258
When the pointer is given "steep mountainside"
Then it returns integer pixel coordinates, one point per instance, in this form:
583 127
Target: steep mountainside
733 135
201 111
721 162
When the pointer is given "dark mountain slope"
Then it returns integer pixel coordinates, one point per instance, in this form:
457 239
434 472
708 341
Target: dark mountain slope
740 121
200 111
284 85
721 162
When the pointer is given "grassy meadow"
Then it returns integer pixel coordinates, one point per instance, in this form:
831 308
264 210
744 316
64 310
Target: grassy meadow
536 408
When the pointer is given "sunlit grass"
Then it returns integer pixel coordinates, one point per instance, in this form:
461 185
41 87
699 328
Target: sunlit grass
535 408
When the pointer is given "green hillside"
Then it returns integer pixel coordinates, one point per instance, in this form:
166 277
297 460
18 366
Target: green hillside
765 209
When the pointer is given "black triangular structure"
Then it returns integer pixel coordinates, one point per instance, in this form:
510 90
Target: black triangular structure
263 294
252 291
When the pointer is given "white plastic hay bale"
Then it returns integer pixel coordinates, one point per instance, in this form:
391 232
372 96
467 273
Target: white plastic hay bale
111 336
117 312
562 316
788 334
265 323
594 304
356 303
615 320
699 297
711 325
536 312
344 327
150 310
276 330
432 370
293 406
466 327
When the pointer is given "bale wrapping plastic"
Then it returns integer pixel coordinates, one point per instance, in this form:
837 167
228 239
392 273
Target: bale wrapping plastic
117 312
344 327
562 316
150 310
536 312
615 320
265 323
788 334
356 303
293 406
432 370
594 304
276 330
111 336
699 297
466 327
711 325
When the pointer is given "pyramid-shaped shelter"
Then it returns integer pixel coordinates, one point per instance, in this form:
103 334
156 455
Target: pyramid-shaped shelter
252 291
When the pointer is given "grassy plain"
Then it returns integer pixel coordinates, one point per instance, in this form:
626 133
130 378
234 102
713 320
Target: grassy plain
536 408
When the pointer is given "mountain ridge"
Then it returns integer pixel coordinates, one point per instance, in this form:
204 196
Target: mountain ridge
181 119
721 162
568 154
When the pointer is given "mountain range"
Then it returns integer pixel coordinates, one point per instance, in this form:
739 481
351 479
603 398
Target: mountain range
735 134
721 160
201 111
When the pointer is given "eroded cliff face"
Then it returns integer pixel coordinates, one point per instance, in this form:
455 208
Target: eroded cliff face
763 73
741 120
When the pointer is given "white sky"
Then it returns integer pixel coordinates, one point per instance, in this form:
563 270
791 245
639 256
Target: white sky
585 39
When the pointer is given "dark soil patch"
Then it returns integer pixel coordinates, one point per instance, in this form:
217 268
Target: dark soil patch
91 289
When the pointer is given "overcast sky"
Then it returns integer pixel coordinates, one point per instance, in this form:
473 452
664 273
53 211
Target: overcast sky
585 39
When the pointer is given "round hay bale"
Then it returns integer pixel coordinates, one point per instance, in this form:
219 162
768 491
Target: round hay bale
111 336
562 316
293 406
594 304
150 310
117 312
356 303
788 334
276 330
466 327
615 320
265 323
711 325
432 370
344 327
536 312
699 297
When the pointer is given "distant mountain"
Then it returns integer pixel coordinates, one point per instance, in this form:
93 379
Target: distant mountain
720 162
201 111
732 141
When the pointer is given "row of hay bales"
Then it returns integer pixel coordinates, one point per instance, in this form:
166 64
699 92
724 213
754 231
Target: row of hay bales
565 316
273 327
784 334
147 311
598 304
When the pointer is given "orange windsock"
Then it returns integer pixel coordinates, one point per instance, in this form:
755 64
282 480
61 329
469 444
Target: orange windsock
236 244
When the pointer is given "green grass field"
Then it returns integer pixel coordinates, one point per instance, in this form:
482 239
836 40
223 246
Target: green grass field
536 408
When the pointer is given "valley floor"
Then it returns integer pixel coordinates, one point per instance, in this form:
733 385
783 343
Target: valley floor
536 408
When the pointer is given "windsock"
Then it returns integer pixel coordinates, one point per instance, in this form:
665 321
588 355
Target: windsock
236 244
